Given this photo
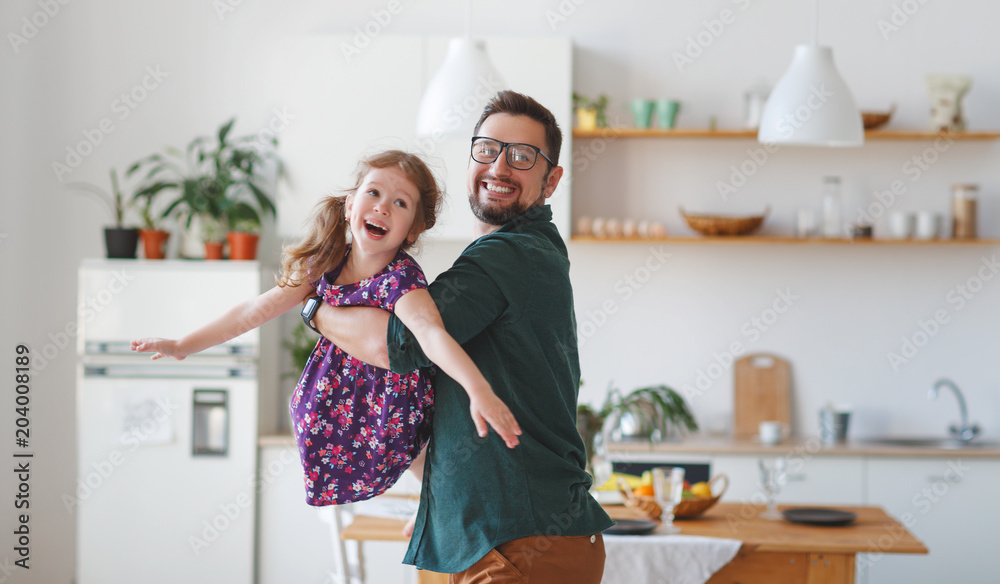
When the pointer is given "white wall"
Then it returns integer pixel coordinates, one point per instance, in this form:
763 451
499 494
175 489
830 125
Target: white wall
855 303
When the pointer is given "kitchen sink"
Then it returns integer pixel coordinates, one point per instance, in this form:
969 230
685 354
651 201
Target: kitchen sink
931 442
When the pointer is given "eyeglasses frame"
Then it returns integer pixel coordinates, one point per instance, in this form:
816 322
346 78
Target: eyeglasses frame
504 145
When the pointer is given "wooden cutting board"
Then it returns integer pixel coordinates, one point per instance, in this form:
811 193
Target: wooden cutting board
760 393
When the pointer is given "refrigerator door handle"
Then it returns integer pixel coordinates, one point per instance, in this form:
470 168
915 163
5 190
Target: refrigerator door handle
170 371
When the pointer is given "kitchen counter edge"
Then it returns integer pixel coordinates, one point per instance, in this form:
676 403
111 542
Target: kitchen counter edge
794 446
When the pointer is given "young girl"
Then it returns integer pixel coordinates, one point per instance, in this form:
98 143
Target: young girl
358 426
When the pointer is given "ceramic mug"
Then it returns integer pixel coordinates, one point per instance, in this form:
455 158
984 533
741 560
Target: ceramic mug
642 112
772 432
928 225
901 224
666 112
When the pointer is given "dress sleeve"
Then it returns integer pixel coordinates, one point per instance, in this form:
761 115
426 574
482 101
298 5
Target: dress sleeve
392 286
468 299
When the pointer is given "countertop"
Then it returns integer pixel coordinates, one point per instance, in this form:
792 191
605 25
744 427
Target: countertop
719 444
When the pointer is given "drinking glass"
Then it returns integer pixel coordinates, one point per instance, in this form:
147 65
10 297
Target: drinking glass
668 486
772 478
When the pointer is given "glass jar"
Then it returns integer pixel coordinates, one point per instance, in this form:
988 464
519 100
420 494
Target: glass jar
831 206
963 210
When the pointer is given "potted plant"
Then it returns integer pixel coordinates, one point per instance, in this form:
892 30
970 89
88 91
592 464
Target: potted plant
590 114
244 231
119 241
154 239
214 180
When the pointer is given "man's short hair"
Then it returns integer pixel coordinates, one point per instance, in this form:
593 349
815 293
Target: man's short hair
517 104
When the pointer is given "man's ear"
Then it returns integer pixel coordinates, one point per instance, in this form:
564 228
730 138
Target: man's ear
552 181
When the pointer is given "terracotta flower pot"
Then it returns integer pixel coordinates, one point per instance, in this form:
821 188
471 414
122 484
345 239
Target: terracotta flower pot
242 245
154 242
213 250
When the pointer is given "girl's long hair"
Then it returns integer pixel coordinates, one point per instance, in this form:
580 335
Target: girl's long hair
325 243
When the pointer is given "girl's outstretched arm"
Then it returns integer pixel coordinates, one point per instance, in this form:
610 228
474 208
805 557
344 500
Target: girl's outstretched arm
236 321
416 309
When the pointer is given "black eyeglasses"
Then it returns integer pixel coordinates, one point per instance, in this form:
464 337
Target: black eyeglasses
519 156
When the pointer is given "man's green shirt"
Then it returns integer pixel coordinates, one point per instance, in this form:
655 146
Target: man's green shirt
509 302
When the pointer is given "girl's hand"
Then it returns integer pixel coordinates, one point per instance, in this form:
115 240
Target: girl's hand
160 347
488 408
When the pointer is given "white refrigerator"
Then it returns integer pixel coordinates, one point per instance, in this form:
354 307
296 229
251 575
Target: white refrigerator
167 450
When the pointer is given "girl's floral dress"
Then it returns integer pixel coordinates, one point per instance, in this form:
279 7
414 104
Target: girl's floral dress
359 426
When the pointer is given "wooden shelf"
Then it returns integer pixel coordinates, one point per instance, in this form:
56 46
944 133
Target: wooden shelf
723 133
769 239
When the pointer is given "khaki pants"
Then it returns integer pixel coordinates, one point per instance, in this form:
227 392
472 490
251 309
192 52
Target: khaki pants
539 560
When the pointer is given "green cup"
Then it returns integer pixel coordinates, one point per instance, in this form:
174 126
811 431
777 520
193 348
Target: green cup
666 112
642 112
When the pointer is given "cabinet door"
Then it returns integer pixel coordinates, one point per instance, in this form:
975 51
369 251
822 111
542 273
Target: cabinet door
288 529
825 480
947 503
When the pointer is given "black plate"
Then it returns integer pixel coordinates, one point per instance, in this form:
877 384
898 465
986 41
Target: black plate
819 516
631 527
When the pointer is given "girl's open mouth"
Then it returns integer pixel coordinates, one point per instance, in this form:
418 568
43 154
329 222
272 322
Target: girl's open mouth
375 230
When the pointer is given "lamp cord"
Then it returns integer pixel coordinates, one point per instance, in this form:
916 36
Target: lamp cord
815 23
468 19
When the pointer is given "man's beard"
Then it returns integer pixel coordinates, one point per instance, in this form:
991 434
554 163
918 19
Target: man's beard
495 214
498 214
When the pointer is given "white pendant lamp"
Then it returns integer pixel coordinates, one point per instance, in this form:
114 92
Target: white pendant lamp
811 105
458 91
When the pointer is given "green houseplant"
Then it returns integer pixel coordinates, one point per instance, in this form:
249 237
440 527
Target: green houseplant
656 413
590 113
119 241
217 179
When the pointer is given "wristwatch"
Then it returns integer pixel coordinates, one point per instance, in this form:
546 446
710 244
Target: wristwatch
309 311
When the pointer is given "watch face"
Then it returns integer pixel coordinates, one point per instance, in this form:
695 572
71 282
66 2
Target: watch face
310 308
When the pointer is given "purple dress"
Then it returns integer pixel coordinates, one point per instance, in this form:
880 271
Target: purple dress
359 426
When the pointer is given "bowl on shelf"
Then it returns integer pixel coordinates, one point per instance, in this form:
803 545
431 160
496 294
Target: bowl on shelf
724 224
873 120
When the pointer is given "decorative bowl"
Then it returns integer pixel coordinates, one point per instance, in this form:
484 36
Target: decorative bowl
872 120
724 224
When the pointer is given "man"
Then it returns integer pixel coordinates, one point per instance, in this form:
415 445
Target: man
489 513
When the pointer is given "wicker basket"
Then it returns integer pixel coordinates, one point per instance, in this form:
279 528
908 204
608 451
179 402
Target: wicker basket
687 508
724 225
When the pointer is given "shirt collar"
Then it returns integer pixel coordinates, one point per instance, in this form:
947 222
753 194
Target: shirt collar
538 213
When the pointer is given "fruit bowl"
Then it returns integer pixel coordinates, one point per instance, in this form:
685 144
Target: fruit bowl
686 509
689 508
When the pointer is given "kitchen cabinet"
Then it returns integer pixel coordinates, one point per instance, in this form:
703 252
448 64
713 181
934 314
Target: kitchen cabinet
294 541
946 502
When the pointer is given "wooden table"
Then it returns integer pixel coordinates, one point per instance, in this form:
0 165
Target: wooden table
780 551
772 551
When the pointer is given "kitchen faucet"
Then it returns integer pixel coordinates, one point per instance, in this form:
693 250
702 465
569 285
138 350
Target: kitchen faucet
965 432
